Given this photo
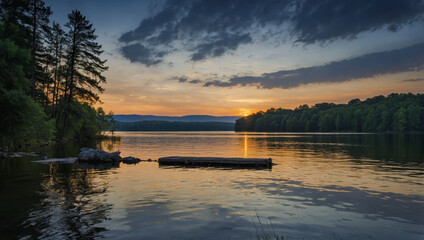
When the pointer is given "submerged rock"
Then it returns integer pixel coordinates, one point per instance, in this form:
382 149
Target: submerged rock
131 160
91 155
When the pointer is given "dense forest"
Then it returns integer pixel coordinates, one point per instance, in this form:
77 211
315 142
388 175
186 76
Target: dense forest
49 76
175 126
394 113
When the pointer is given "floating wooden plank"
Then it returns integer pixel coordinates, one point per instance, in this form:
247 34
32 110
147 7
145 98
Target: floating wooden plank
216 161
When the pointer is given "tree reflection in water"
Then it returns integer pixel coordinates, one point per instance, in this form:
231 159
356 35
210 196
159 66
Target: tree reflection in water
73 207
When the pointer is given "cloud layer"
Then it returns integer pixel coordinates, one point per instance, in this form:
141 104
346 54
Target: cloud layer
366 66
210 29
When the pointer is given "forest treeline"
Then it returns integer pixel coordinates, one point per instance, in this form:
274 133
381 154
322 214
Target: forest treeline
49 76
175 126
393 113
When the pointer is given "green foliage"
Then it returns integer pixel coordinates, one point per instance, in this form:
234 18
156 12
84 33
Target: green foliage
84 68
13 61
22 120
399 120
112 123
396 112
47 77
84 121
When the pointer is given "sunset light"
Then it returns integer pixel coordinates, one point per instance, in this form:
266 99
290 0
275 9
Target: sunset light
212 119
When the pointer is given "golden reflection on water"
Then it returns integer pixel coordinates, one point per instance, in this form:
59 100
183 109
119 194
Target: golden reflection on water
316 179
245 145
317 164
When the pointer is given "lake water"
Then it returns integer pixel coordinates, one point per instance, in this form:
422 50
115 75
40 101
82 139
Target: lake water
323 186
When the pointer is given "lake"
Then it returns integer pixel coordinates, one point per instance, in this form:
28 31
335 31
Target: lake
323 186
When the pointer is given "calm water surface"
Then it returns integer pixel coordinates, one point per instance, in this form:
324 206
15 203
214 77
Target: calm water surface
324 186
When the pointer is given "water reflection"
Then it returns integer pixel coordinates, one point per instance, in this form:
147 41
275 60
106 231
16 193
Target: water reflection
109 144
373 204
98 166
245 145
74 202
399 148
354 186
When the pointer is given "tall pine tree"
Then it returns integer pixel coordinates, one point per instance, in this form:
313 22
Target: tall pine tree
84 66
38 15
55 47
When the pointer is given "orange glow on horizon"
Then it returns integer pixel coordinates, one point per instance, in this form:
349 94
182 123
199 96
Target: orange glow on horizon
244 101
244 112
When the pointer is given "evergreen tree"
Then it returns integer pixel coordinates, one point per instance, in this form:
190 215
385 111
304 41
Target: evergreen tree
56 41
38 14
41 68
84 66
22 120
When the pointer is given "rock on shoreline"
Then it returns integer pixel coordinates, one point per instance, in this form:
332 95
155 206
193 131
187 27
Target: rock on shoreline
99 156
88 158
131 160
91 155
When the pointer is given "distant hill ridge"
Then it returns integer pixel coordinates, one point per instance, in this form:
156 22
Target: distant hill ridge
175 126
188 118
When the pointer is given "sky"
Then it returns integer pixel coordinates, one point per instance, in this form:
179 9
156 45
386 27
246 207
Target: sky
236 57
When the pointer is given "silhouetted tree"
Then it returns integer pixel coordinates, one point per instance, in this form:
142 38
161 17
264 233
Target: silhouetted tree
55 46
84 66
22 120
38 15
41 68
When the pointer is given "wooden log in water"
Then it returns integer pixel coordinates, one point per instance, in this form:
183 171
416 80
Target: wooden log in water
216 161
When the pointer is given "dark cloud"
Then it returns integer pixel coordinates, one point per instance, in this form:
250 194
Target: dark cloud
370 65
331 19
218 84
195 81
139 53
182 79
185 79
220 46
213 28
413 80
